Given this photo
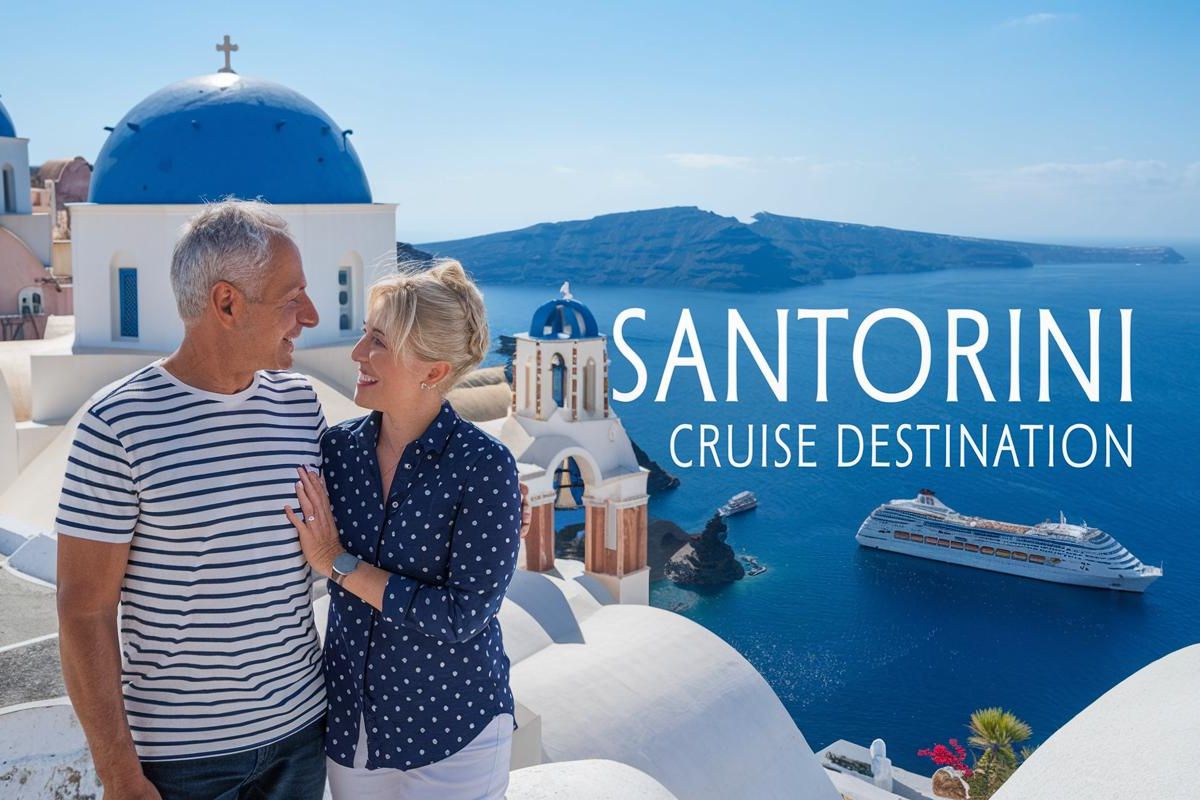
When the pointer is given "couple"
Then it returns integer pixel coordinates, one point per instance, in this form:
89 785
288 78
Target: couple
204 492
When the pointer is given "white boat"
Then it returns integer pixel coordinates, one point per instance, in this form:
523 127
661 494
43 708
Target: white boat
1050 551
742 501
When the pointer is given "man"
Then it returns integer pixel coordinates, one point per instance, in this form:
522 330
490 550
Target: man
172 510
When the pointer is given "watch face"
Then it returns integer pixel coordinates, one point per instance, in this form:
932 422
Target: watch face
345 564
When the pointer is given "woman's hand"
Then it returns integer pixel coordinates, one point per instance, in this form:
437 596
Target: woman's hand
526 511
318 531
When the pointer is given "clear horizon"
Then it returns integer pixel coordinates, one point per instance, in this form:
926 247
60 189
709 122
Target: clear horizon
1072 123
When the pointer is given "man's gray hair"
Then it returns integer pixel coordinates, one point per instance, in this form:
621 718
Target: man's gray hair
227 241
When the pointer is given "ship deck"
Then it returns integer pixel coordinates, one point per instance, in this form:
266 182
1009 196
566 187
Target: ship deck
1031 531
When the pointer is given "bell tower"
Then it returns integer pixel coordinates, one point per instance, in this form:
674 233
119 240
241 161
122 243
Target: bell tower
561 365
560 419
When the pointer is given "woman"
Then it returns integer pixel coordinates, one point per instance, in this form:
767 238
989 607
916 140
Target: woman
417 522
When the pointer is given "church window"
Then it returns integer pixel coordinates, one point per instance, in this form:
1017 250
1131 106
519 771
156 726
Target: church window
528 389
558 379
127 302
348 291
589 386
345 312
10 190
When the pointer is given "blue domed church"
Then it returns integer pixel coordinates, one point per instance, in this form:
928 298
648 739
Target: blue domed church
204 139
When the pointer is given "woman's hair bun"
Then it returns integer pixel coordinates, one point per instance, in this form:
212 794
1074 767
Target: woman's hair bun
435 310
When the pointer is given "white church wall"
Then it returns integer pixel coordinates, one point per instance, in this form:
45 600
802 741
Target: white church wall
108 237
330 236
14 159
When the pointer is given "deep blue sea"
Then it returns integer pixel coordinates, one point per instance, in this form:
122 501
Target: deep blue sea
861 644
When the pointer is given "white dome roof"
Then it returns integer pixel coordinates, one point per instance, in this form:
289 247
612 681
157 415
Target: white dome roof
651 689
595 779
1138 740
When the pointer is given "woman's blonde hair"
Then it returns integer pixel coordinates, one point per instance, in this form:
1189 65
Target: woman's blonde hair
434 312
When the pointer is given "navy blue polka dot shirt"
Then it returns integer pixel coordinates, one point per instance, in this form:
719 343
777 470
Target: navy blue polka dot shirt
430 672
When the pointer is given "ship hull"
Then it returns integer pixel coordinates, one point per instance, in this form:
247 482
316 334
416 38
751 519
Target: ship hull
870 536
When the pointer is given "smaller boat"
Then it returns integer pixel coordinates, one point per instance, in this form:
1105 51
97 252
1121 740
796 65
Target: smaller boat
742 501
753 565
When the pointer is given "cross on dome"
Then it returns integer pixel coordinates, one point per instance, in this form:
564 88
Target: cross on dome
226 47
566 290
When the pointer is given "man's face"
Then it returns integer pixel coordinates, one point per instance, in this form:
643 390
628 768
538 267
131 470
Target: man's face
282 310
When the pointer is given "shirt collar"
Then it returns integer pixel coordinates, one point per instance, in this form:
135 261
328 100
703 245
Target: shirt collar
433 439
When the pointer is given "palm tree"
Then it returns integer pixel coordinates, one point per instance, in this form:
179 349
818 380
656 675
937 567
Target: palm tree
994 732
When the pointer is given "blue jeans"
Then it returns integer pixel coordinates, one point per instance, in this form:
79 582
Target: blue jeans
290 769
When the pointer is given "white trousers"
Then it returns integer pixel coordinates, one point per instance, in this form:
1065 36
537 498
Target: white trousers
479 771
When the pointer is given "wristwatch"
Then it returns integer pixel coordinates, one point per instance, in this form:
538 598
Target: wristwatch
343 565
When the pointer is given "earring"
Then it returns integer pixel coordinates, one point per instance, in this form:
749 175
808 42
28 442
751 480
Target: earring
424 385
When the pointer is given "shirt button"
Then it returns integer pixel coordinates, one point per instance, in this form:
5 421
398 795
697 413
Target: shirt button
395 504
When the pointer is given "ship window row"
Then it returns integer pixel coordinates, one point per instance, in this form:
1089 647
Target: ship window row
1046 544
984 550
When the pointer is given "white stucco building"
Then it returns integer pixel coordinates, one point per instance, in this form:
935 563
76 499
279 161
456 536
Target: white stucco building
204 139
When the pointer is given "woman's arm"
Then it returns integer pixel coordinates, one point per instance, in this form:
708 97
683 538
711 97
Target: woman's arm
483 551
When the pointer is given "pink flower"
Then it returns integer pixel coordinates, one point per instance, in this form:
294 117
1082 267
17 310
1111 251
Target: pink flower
954 756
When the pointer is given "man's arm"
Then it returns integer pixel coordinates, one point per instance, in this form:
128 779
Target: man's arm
89 586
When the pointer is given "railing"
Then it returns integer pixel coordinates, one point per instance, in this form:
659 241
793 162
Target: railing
12 326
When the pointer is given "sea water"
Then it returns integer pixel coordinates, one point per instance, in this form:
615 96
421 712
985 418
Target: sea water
860 644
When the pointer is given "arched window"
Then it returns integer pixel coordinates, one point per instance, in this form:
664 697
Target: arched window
529 387
345 307
10 189
349 289
30 300
589 385
558 378
124 296
127 301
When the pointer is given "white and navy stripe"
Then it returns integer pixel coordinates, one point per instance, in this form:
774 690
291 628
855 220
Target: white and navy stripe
220 651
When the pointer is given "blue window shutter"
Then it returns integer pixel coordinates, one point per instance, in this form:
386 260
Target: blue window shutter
128 301
344 305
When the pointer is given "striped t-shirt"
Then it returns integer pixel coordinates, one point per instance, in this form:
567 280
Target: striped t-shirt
219 649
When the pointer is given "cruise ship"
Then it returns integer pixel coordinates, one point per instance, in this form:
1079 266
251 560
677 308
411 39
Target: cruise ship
1050 551
742 501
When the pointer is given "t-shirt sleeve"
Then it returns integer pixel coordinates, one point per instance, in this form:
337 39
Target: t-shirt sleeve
99 500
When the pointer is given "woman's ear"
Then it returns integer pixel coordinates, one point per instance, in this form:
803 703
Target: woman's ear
438 372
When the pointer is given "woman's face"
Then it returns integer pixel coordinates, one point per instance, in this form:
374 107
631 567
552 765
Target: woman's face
387 383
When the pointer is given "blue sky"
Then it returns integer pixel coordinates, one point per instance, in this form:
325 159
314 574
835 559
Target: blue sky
1072 121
